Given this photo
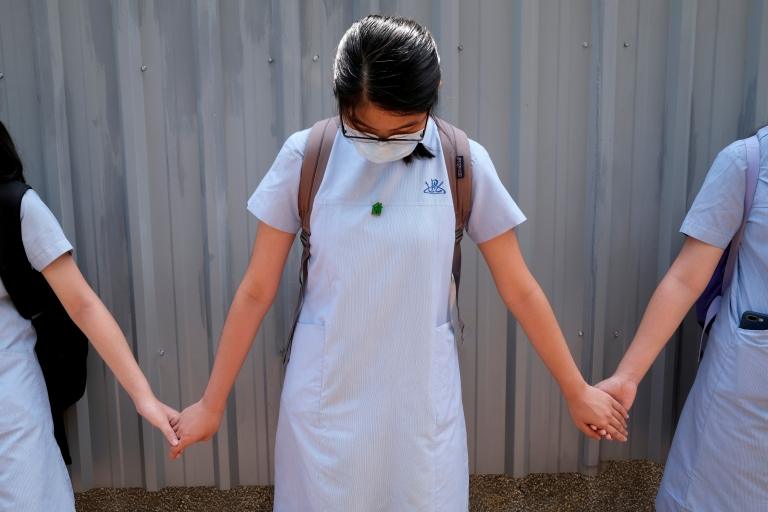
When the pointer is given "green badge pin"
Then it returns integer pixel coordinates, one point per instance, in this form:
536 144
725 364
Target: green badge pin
376 209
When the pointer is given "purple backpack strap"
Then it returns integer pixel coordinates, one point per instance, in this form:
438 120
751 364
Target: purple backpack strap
753 170
753 166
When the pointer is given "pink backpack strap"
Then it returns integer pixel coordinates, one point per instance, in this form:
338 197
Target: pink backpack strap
458 162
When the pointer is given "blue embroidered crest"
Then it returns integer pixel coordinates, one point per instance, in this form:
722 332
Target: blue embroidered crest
435 188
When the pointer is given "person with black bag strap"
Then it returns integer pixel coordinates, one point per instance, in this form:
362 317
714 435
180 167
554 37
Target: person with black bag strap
48 312
61 347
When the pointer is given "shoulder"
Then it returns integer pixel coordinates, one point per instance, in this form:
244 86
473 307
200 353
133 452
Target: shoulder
32 204
735 153
479 154
36 217
295 144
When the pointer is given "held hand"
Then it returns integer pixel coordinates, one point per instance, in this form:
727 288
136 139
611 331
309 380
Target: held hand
160 416
195 423
622 389
591 406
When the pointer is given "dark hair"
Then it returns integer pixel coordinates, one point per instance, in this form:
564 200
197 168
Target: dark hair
10 163
391 62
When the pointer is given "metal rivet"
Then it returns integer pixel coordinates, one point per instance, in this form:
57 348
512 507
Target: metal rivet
270 60
626 44
616 334
580 333
585 44
461 47
315 58
161 352
143 68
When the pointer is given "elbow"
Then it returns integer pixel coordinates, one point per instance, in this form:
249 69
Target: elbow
258 294
692 284
516 297
82 310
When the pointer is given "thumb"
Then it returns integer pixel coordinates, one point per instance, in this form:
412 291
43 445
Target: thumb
169 434
178 449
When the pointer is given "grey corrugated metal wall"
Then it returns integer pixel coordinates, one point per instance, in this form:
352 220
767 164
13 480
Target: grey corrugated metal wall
601 115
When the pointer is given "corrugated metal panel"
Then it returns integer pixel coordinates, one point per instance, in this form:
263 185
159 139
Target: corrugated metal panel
601 115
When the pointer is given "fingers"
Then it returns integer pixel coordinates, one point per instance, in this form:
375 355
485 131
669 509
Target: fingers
613 429
618 412
177 450
170 435
619 418
617 421
621 430
599 430
621 410
614 433
587 431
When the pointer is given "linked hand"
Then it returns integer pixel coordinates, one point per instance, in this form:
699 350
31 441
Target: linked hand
621 389
160 416
195 423
592 406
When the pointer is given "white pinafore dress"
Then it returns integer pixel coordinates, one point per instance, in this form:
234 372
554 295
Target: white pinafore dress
33 477
371 417
719 456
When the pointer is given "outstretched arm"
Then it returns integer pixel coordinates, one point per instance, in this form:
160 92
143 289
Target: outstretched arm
94 319
525 299
684 282
253 299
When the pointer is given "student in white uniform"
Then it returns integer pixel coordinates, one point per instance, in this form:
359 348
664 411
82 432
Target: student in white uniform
719 456
33 477
371 417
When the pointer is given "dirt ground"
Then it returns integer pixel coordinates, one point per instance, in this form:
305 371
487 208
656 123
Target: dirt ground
623 486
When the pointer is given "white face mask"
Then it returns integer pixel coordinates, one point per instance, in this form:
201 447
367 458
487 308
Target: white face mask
384 151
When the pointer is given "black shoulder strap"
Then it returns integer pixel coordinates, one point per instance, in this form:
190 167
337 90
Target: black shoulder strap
21 281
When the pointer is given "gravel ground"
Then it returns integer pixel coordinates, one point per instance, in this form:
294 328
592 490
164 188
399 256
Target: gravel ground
623 486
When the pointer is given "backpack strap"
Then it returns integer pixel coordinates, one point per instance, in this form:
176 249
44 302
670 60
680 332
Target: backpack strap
316 154
458 162
751 178
753 170
23 283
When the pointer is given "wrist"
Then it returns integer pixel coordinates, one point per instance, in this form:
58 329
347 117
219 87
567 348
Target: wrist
628 375
143 395
573 387
213 406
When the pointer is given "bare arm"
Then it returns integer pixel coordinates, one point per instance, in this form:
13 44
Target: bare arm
94 319
525 299
681 286
252 300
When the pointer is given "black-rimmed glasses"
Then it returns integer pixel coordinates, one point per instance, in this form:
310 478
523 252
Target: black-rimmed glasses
395 138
